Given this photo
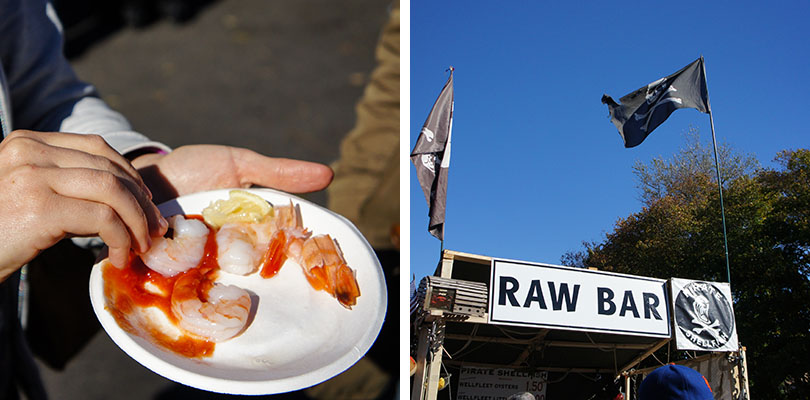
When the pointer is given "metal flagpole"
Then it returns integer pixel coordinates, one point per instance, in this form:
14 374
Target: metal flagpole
441 249
720 190
449 134
717 168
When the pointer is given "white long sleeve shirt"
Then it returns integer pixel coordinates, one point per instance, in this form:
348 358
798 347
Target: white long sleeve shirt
39 91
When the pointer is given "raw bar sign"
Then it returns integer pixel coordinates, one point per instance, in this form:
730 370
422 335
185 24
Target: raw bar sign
556 297
704 316
499 383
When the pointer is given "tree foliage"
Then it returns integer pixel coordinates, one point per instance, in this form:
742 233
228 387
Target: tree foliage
692 166
678 233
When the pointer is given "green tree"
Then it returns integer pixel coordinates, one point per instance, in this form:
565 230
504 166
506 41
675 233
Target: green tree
678 233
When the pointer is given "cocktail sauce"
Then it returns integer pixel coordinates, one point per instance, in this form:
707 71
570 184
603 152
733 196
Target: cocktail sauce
135 287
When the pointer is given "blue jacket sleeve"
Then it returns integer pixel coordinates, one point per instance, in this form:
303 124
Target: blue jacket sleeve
44 92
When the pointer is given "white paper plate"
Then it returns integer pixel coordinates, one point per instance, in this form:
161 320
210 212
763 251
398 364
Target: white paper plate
299 337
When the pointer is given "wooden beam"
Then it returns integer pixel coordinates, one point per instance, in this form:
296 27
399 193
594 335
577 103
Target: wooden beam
541 368
550 343
487 339
467 257
589 345
644 355
530 348
706 356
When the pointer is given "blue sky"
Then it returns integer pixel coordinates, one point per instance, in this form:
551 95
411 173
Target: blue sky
537 167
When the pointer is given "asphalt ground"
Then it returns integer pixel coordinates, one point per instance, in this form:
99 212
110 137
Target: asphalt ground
279 77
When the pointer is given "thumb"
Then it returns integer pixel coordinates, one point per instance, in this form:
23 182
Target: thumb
285 174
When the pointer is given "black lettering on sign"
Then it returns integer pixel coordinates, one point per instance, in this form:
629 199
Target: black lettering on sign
557 300
510 292
535 294
628 304
650 306
605 298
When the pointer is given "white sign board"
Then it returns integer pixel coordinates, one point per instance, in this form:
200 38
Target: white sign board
556 297
499 383
704 316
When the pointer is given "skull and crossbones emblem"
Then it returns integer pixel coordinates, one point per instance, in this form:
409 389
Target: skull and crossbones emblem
704 315
700 316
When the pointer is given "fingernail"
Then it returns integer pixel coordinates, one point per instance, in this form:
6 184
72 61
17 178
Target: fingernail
163 223
117 261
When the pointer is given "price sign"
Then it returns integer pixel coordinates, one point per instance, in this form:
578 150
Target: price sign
499 383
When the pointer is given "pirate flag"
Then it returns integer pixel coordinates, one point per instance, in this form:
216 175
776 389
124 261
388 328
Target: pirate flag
644 109
431 157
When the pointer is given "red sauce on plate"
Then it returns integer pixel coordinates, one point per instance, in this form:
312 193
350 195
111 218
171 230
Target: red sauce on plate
126 292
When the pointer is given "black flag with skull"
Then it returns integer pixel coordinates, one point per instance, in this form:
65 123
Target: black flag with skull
644 109
431 157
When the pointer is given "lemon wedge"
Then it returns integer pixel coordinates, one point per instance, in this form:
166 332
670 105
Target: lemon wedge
241 206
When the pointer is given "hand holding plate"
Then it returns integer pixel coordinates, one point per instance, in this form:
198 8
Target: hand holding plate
196 168
61 184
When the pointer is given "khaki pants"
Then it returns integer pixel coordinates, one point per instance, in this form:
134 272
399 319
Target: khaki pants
366 185
366 191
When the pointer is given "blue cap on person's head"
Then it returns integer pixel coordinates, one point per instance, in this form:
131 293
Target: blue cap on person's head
672 382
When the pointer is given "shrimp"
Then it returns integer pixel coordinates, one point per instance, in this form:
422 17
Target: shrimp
238 250
171 256
325 268
219 316
262 243
288 217
276 255
279 249
243 247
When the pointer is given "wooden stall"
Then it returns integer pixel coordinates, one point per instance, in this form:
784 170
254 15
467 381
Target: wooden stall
484 328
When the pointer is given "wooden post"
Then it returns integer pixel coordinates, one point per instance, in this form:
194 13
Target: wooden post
627 387
433 376
447 266
426 378
744 374
417 391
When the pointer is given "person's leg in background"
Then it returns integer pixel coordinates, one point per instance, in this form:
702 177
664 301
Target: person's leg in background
366 191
